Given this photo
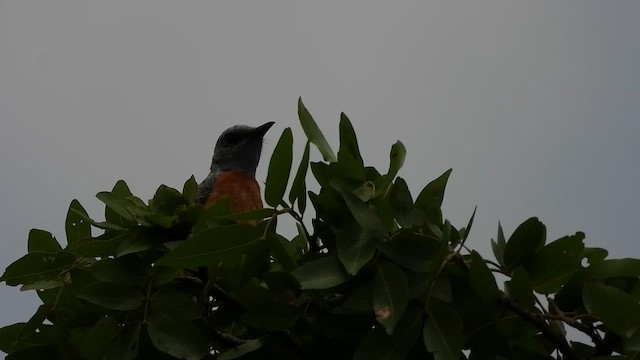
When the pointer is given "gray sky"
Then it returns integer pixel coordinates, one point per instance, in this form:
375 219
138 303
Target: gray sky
534 104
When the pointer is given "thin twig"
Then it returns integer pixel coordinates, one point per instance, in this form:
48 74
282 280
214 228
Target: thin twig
590 331
558 340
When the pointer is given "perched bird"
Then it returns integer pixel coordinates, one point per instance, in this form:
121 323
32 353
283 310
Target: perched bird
233 169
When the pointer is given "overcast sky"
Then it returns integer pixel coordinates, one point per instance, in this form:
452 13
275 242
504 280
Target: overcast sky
534 104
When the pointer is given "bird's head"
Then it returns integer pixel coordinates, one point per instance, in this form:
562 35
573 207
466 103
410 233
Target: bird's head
239 148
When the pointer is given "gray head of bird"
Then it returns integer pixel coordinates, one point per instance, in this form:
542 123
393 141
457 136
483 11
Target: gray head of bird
239 148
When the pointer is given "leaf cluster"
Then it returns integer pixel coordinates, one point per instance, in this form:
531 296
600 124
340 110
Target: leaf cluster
370 274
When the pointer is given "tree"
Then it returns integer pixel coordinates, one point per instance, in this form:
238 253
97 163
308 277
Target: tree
373 274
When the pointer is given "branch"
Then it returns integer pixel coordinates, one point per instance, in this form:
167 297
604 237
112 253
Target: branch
559 341
590 331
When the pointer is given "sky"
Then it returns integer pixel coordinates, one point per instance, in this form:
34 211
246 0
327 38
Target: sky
534 104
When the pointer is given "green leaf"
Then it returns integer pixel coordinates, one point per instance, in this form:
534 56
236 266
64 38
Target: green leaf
482 280
359 301
348 139
554 264
42 241
313 133
172 304
77 228
248 347
378 345
180 339
347 166
365 215
112 296
216 245
615 268
272 316
279 247
618 310
443 331
322 273
37 267
499 246
298 187
167 201
467 230
411 252
595 255
118 216
519 288
98 340
136 242
354 250
401 204
390 295
430 198
126 270
190 191
524 242
396 159
102 246
279 169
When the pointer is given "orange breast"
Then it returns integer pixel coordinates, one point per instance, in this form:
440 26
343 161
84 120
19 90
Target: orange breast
240 188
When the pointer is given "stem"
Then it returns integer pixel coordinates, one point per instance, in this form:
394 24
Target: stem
557 339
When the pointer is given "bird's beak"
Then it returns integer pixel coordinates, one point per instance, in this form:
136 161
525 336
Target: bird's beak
262 129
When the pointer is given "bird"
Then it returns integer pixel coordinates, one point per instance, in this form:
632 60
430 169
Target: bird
233 169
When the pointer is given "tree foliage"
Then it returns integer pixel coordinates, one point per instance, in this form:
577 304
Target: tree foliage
370 274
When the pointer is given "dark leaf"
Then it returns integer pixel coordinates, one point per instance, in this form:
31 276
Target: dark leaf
606 302
190 191
524 242
313 133
126 270
443 331
402 204
348 139
321 273
397 156
248 347
365 215
412 252
272 316
77 228
519 289
554 264
180 339
354 250
430 198
359 301
167 201
482 280
595 255
615 268
390 295
347 166
215 245
499 245
298 187
172 304
118 216
279 169
96 341
42 241
468 228
113 296
378 345
36 267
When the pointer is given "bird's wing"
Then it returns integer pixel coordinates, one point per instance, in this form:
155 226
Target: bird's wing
206 187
